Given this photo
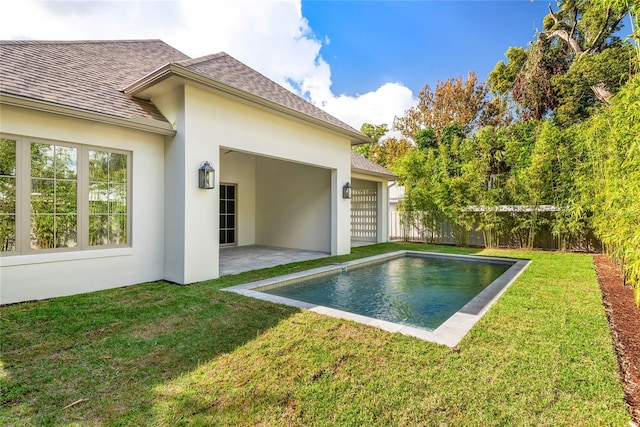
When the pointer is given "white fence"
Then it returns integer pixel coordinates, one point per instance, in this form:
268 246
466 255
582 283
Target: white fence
444 233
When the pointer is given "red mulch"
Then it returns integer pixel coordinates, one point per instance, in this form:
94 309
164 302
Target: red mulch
624 323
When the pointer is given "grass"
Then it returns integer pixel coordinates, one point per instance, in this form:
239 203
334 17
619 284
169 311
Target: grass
160 354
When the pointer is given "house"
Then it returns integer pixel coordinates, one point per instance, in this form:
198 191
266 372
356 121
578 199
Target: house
124 162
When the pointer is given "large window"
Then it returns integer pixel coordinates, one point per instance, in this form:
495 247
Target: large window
54 196
7 195
57 196
107 198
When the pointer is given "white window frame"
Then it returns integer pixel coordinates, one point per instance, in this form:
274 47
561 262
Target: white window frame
23 204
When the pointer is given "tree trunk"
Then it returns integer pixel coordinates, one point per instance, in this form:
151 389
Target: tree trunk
602 92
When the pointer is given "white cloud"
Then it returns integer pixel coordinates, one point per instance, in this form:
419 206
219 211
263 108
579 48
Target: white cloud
377 107
270 36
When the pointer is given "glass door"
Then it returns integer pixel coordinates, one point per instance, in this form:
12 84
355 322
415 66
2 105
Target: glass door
228 208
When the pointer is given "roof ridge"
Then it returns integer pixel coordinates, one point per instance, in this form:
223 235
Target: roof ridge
69 42
200 59
271 81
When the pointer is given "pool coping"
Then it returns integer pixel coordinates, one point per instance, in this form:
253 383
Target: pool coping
449 333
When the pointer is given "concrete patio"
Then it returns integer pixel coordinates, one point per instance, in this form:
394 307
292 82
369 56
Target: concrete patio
238 259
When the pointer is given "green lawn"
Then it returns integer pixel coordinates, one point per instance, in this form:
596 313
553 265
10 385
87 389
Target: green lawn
160 354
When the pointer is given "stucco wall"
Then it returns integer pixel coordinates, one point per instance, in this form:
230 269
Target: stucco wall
214 120
172 106
293 205
44 275
240 169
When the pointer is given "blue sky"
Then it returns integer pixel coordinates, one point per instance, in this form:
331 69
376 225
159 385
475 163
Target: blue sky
418 42
362 61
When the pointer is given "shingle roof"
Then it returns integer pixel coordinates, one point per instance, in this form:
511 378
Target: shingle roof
358 161
225 69
91 76
88 75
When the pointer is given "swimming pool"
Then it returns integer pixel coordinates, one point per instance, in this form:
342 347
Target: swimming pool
436 297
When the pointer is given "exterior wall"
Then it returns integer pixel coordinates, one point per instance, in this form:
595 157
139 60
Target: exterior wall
172 106
240 168
383 203
293 205
165 191
214 121
45 275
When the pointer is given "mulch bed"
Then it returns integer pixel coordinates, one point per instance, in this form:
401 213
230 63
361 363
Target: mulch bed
624 323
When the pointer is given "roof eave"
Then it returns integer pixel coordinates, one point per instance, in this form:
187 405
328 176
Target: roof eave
387 176
168 70
134 122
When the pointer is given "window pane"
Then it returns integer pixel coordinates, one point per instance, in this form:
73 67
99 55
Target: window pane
107 198
231 223
66 160
223 221
223 206
118 198
98 230
118 167
98 166
7 157
230 236
42 196
42 164
66 196
231 207
66 231
231 192
222 237
7 195
7 233
118 229
98 198
42 231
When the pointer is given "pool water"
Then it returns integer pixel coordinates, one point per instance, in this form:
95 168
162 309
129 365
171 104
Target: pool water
418 291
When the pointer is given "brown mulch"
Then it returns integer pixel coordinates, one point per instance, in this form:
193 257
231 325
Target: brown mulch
624 323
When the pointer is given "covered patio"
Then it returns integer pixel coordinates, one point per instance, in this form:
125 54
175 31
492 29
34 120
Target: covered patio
238 259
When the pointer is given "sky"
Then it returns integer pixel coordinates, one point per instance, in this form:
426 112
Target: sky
361 61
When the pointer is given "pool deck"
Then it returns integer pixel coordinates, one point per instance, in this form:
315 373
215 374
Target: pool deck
449 333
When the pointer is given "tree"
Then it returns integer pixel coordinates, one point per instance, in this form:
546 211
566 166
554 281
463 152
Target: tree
586 28
383 151
426 138
390 150
577 62
464 103
375 132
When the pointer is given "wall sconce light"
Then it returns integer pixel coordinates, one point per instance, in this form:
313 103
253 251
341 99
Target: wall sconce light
207 176
346 191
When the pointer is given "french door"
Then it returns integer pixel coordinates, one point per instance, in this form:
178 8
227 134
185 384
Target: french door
228 209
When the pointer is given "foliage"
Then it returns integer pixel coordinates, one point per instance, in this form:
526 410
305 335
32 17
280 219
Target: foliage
160 354
375 132
533 87
383 151
465 181
576 63
426 138
502 77
455 101
611 179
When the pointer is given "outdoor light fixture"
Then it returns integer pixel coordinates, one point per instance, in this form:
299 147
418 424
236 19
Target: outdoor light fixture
346 191
207 176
